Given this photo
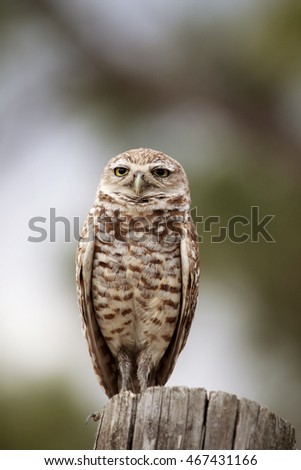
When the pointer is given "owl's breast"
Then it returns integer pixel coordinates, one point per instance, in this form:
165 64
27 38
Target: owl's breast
137 294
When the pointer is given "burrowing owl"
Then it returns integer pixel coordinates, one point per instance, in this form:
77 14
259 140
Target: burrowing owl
138 271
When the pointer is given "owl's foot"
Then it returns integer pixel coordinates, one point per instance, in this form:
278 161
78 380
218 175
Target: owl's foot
144 368
124 370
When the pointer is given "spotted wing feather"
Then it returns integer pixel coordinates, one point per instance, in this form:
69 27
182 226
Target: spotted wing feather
190 286
103 362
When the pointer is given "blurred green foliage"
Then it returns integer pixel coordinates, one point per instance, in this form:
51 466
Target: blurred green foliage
272 269
43 415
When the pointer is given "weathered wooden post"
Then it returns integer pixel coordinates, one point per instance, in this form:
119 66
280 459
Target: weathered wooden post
186 418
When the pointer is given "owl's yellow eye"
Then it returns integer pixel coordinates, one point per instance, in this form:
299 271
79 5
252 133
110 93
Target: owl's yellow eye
161 172
121 171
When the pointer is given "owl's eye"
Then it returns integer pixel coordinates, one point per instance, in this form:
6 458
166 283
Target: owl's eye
121 171
161 172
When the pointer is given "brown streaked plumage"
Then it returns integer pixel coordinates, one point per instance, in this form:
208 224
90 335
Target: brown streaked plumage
138 271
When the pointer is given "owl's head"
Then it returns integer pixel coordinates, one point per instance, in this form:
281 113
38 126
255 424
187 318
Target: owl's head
140 175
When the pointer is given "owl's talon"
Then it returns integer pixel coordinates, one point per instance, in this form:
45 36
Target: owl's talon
93 416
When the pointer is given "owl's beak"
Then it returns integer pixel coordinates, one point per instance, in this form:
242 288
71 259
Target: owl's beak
138 183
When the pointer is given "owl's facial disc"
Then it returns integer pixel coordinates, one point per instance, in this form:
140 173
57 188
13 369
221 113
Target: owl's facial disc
143 175
139 181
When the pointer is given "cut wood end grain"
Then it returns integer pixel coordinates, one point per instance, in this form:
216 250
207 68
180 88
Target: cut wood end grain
189 418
